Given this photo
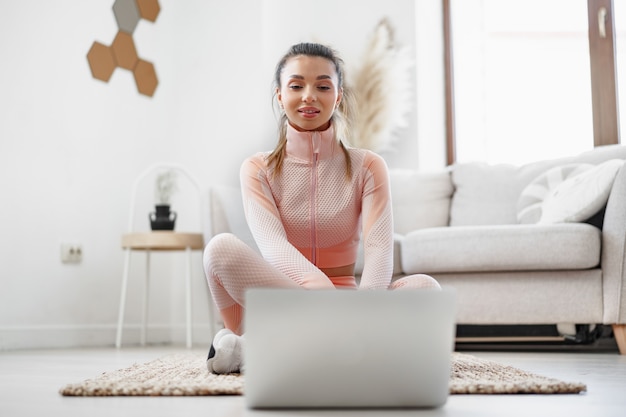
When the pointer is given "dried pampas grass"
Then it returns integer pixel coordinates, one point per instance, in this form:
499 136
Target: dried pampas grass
381 89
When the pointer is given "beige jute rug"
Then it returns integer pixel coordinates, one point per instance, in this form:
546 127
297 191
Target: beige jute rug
186 375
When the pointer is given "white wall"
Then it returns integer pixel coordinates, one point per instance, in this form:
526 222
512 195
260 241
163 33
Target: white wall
71 146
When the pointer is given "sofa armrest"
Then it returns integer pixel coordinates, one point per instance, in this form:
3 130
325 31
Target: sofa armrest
614 252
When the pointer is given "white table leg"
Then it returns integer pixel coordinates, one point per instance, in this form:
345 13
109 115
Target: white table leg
120 317
146 294
188 285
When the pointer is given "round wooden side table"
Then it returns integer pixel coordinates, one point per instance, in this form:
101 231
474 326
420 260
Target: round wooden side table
157 241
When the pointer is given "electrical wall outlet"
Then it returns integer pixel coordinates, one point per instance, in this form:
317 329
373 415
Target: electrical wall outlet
71 253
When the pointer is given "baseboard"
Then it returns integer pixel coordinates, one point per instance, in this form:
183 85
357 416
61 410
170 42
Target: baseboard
94 335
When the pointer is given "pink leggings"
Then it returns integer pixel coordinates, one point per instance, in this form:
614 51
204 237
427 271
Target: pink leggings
231 267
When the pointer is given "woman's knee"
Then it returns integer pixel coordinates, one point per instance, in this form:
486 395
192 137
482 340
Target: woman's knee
417 281
219 245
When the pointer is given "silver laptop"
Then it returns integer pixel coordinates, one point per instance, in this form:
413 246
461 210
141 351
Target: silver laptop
348 349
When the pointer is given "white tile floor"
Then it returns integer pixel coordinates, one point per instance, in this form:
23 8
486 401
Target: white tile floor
30 381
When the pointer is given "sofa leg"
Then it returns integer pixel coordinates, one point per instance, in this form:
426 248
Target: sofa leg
619 331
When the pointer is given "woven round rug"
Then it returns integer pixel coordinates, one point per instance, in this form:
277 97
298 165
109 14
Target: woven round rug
186 375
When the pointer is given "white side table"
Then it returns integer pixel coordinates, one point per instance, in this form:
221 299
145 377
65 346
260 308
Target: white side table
157 241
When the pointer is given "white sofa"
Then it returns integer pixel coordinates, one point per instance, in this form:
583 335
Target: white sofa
514 241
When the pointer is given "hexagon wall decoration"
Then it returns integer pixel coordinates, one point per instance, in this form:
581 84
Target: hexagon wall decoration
122 53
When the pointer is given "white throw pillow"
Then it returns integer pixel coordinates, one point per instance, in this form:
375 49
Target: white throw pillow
581 196
531 199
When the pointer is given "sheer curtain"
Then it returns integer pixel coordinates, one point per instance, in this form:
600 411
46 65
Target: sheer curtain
522 79
619 12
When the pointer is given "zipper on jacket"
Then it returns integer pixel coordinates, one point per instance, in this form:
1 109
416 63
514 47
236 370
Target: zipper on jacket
315 139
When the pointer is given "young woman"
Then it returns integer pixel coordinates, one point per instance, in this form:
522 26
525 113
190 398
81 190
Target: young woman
307 203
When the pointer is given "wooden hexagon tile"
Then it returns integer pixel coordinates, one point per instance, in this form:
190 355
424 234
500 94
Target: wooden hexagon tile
103 59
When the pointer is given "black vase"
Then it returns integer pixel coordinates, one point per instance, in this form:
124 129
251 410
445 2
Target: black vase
163 218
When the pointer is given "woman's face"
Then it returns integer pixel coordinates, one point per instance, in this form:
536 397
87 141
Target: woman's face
309 92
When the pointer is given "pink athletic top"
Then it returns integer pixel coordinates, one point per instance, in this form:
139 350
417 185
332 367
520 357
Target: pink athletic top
311 216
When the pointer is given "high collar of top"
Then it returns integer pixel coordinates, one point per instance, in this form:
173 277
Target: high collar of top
303 145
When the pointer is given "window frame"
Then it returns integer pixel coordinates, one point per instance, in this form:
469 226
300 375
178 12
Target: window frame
603 77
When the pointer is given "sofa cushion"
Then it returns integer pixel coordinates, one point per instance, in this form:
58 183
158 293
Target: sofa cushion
532 197
487 194
420 199
484 194
581 196
564 246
